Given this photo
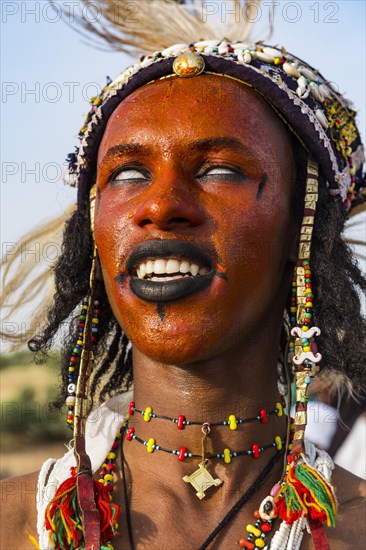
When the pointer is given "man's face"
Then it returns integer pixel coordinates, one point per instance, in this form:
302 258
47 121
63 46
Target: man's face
198 174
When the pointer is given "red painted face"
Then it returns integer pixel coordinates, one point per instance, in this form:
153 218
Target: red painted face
204 161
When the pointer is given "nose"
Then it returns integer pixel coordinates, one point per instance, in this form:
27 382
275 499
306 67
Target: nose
169 205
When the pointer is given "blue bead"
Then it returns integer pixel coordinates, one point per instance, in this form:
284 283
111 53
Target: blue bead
308 380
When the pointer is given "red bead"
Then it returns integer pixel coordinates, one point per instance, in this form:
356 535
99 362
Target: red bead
246 544
180 424
266 527
72 359
181 454
109 487
256 514
102 473
255 450
110 467
263 415
115 445
130 408
130 433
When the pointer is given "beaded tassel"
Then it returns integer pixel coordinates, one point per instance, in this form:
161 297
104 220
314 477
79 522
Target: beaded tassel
82 516
304 491
73 369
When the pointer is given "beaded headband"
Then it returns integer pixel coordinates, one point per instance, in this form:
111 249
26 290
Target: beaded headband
321 118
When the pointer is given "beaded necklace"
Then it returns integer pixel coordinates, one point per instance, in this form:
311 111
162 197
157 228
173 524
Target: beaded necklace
266 526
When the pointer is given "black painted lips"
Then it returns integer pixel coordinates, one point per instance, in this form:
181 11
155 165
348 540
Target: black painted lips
153 291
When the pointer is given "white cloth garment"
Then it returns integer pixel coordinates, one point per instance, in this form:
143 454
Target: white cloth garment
102 426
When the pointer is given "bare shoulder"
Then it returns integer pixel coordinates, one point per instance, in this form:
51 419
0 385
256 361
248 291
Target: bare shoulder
350 530
18 511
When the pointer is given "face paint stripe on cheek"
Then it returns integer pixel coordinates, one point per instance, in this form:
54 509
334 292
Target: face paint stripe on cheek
261 187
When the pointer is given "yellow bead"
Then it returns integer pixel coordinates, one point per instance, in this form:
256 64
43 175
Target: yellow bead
308 291
149 446
309 304
352 170
279 409
227 457
79 342
101 480
277 61
147 412
259 543
108 477
304 328
69 421
232 422
111 456
307 348
95 321
251 529
278 442
293 309
71 369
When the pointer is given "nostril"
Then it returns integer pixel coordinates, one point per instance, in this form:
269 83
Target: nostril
170 223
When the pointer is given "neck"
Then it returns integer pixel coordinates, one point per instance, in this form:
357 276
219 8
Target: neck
240 382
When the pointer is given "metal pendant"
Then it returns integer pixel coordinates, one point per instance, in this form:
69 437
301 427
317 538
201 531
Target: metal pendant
202 480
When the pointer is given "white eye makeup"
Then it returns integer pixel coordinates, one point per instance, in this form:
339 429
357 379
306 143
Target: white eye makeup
221 173
130 174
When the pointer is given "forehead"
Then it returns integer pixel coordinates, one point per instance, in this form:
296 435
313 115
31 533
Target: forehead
180 109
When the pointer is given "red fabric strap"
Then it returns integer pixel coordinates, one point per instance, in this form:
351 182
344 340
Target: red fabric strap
86 497
318 534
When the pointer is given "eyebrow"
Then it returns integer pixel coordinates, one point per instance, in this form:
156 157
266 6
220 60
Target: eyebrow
201 145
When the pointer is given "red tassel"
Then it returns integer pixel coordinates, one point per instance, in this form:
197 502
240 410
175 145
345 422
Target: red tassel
63 515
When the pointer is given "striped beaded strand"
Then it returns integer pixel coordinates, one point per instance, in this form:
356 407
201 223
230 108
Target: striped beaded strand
75 357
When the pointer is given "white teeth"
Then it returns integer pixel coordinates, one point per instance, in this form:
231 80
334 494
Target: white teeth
167 267
172 266
159 266
184 266
194 269
165 279
142 271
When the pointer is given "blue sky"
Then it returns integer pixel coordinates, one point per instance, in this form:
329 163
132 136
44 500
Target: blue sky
48 72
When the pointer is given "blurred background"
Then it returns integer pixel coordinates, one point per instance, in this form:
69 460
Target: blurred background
49 72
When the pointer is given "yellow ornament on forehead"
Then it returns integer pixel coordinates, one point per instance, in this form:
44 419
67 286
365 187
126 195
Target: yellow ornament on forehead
188 64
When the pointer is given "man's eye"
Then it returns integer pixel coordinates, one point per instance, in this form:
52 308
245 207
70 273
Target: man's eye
130 175
221 173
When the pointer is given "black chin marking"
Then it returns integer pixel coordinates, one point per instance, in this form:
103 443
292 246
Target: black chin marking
261 186
161 311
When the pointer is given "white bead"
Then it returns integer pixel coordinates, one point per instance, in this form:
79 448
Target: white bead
273 52
320 115
308 73
317 93
70 400
265 57
291 69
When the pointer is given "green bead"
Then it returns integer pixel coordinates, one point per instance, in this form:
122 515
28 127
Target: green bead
307 315
82 317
